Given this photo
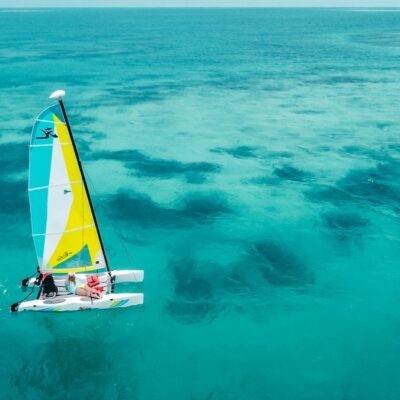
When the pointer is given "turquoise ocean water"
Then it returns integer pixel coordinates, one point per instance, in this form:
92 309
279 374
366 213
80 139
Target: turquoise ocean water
249 159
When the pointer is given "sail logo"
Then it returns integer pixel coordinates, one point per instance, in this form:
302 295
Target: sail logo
47 133
64 255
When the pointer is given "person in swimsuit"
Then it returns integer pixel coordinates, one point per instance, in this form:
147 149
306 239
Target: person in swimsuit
49 288
74 287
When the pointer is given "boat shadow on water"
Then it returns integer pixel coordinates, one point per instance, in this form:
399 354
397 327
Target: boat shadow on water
76 362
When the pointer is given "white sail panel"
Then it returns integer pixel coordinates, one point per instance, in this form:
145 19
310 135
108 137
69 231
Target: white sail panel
64 231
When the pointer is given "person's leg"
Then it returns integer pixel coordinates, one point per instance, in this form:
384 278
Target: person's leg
96 295
82 292
86 291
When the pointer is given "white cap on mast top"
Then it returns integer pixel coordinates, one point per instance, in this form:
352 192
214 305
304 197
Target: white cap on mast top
57 94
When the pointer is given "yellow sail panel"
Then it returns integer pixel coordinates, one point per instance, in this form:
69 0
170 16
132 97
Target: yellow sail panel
72 240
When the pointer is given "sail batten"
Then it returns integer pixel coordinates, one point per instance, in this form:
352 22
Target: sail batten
49 145
50 122
51 186
63 224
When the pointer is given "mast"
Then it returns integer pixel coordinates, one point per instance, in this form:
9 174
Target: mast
58 94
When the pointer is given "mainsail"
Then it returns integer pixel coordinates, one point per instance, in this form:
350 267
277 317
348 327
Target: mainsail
64 227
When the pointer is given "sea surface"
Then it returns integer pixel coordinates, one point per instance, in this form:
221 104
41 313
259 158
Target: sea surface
249 161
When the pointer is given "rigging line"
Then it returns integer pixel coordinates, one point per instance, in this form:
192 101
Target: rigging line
83 222
25 282
28 295
119 236
85 183
16 304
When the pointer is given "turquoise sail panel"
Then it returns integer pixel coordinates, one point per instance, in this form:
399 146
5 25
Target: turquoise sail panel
40 161
63 225
38 202
79 259
41 149
43 131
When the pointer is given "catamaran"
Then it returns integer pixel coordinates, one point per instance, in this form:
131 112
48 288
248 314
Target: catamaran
65 231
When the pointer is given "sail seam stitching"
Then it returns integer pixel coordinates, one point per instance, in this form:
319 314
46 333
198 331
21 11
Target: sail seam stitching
67 231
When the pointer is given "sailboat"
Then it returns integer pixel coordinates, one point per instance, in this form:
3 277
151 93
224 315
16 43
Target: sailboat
65 231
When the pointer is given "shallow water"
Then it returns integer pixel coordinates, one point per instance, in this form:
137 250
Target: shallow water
249 161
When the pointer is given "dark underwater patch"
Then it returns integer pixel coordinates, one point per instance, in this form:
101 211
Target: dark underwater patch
188 282
280 154
89 135
83 137
290 173
378 39
193 294
78 120
327 193
43 376
277 264
14 157
238 151
273 87
240 281
230 82
142 93
341 80
35 77
395 147
14 198
345 225
377 186
193 208
323 148
371 187
14 193
309 112
264 180
26 131
196 297
132 96
384 125
204 208
83 146
143 211
281 174
354 150
143 165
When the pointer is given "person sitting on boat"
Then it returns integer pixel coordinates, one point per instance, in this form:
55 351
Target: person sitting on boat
73 286
49 288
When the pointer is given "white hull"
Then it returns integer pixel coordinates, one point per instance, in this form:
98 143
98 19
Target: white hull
68 302
128 275
80 303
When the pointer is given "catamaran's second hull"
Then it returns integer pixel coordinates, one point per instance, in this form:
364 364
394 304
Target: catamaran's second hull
80 303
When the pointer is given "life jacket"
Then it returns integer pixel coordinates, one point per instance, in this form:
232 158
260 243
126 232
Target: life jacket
93 281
